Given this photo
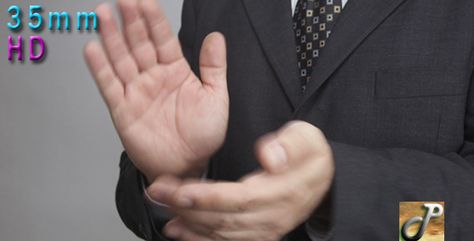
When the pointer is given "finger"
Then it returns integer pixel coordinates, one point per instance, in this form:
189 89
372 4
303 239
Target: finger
223 196
310 160
204 222
181 223
166 42
163 188
302 146
114 43
137 35
175 229
302 140
248 231
109 85
213 62
271 154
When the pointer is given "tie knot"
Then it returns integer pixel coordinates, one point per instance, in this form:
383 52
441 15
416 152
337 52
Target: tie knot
317 4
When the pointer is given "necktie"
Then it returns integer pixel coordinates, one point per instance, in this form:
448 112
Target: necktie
312 23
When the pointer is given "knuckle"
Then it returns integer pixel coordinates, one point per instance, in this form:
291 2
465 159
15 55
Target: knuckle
305 139
318 133
300 129
316 140
296 127
225 222
244 198
312 133
247 203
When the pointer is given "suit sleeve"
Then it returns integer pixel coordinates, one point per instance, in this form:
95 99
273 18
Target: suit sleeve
370 183
139 215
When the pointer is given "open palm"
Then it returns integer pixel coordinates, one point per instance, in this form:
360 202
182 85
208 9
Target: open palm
168 120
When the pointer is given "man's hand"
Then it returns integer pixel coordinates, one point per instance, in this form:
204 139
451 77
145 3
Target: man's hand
298 172
168 120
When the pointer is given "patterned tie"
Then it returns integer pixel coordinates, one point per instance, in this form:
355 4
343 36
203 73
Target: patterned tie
312 23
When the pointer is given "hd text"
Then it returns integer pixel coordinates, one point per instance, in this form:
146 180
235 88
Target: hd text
36 19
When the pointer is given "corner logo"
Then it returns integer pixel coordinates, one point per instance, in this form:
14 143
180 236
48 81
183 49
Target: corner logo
422 221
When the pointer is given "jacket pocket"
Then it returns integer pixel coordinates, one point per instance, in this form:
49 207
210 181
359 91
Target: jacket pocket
419 82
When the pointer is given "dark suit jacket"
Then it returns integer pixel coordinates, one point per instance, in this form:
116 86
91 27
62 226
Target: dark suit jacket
392 91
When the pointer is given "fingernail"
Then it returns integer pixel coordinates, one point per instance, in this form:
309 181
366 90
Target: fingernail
277 156
172 231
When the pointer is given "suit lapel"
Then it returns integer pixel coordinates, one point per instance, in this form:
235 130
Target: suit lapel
272 22
357 20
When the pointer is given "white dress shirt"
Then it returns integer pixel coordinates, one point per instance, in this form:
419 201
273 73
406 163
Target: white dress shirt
294 2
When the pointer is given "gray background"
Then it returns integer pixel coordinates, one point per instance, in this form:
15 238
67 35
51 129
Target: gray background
58 149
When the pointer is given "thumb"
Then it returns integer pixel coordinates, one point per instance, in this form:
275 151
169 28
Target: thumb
213 62
291 145
271 154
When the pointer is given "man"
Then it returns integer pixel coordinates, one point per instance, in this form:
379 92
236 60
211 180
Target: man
381 88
